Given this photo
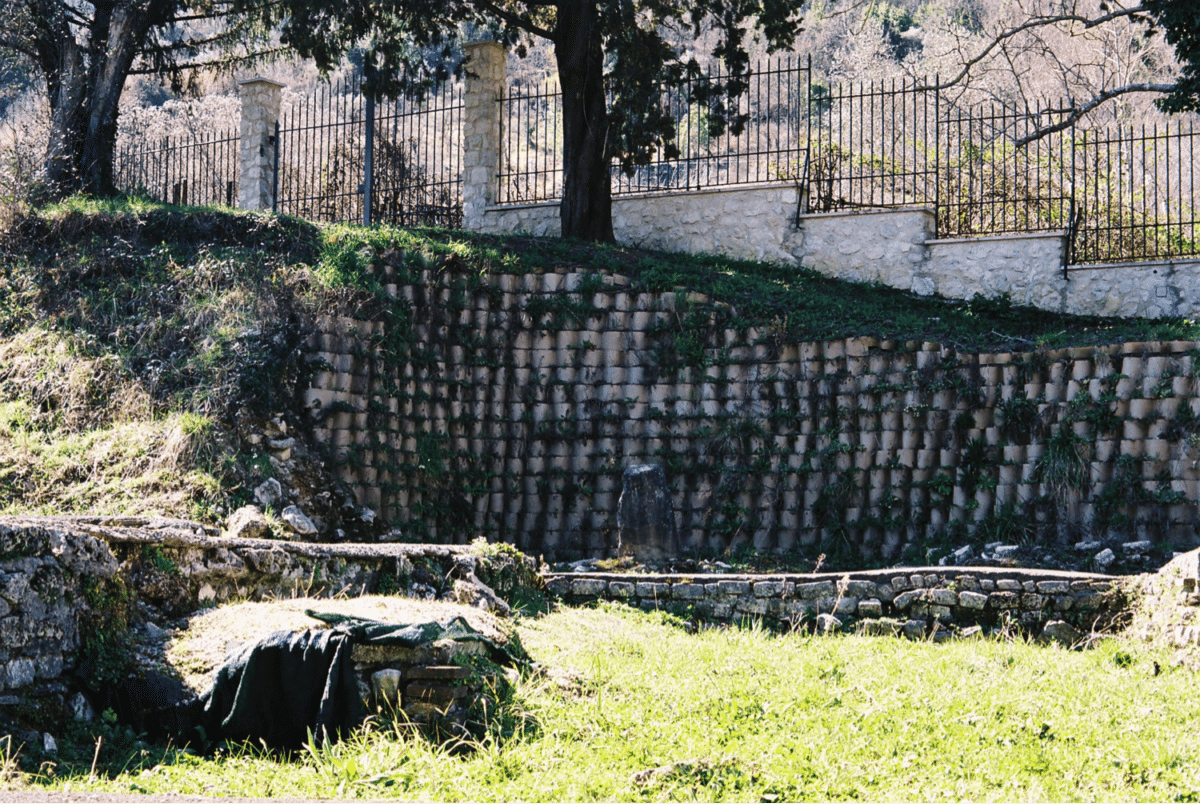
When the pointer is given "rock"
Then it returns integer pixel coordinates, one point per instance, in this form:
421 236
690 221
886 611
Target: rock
963 554
277 427
990 546
972 600
1061 632
247 522
19 673
367 515
153 631
914 629
269 493
1003 551
49 744
828 624
385 687
280 444
645 518
1105 558
82 709
1137 547
1087 547
971 632
295 519
393 535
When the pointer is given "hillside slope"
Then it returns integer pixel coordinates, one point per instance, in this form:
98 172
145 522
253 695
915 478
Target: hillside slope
151 356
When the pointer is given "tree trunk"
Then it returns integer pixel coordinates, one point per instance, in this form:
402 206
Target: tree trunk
85 83
586 209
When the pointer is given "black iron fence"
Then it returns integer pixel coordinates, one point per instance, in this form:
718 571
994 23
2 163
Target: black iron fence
771 149
1117 195
200 170
343 158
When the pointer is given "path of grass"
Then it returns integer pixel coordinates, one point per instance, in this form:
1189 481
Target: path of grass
650 712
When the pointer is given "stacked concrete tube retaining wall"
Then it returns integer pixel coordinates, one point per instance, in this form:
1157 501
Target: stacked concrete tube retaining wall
508 406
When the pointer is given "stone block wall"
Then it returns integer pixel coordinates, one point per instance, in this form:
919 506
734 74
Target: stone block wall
881 246
915 602
751 224
63 577
508 407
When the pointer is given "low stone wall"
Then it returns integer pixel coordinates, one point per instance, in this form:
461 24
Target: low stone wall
888 247
917 601
752 224
63 578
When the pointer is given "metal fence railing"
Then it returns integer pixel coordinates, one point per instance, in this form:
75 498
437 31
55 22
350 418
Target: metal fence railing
987 185
342 157
1119 195
199 170
874 145
1134 194
771 148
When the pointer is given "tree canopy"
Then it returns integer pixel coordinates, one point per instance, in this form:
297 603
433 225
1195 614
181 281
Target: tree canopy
613 59
86 49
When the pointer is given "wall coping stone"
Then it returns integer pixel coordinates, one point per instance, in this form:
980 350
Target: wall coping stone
858 213
1172 264
182 533
948 574
1052 235
727 188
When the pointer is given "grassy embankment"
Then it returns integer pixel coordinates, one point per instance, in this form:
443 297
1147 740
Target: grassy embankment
134 337
640 710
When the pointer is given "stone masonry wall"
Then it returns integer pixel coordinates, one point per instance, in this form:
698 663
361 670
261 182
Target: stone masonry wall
55 572
914 602
751 224
508 407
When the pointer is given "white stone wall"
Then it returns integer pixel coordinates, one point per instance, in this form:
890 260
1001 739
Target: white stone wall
753 224
535 219
1028 267
886 246
1151 289
742 223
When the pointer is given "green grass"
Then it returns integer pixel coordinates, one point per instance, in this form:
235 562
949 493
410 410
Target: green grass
634 708
786 303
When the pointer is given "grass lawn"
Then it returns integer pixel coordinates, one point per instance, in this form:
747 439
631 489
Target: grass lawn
634 708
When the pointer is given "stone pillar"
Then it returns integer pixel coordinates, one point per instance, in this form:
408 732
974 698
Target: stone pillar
645 518
260 113
486 69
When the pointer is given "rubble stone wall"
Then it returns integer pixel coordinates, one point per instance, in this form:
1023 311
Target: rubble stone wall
914 602
57 572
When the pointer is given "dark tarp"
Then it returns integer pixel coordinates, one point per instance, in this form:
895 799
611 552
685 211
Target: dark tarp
289 684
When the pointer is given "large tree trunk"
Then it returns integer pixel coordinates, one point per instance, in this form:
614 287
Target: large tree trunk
85 82
586 210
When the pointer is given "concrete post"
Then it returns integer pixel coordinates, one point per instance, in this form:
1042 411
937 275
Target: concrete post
486 69
260 113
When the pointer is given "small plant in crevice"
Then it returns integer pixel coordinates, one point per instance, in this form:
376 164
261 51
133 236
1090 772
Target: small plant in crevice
1184 425
1017 418
1063 467
1010 523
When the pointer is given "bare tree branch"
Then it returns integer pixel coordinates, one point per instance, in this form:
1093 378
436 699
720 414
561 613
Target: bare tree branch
514 19
1036 22
1074 113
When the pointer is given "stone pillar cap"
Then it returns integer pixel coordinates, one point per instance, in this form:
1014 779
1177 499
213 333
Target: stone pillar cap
258 79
